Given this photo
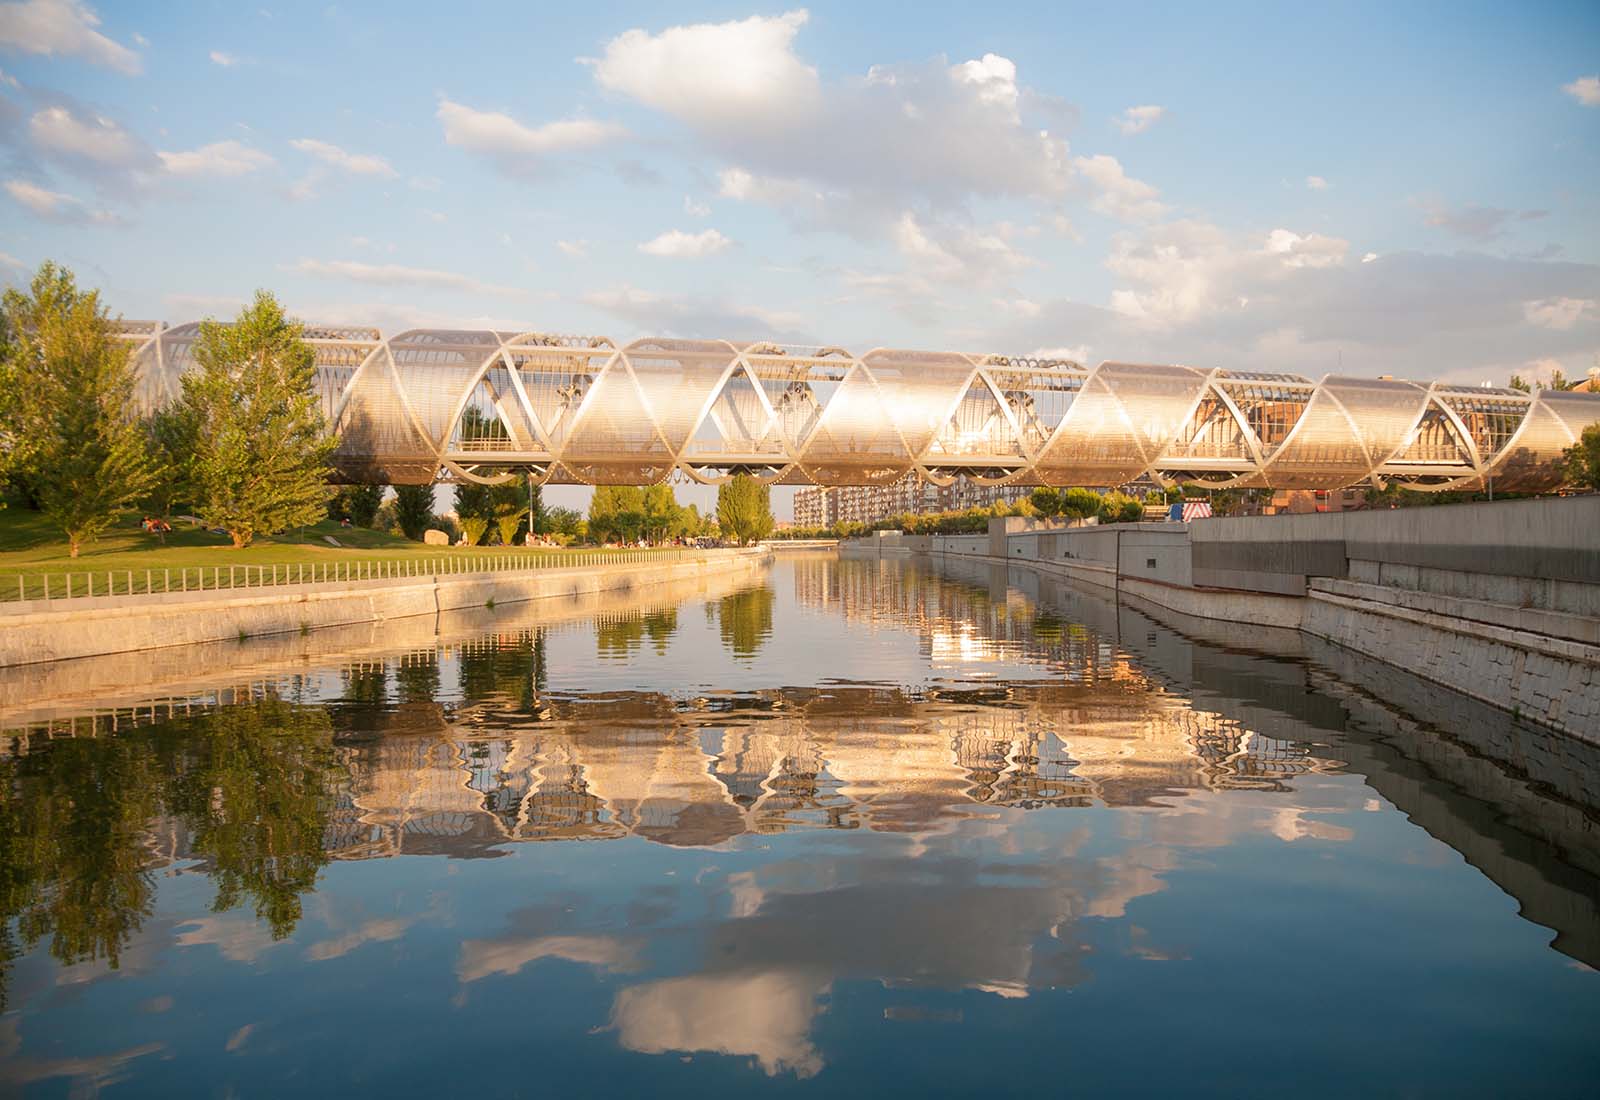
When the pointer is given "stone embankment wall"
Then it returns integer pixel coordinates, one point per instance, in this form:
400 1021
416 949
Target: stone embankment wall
1499 601
38 632
37 693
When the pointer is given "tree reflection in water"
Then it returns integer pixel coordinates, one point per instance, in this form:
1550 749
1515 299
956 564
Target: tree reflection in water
81 820
745 619
618 636
505 669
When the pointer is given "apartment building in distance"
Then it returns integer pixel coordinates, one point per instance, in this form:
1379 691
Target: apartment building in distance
824 507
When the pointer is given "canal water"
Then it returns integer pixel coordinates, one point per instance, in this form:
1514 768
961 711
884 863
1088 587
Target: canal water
854 827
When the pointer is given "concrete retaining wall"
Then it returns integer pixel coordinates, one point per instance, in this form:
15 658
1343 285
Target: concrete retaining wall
1499 601
32 633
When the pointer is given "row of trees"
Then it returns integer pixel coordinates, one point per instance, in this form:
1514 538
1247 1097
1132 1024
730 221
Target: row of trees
626 513
629 513
245 445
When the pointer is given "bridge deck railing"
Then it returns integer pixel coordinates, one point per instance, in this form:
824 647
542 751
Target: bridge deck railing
64 587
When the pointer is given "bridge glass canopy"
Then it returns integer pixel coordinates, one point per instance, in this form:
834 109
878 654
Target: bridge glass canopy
480 405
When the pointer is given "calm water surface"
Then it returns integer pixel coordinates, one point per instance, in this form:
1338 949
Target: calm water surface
861 828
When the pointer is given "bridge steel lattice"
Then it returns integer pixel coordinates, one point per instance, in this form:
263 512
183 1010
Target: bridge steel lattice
477 405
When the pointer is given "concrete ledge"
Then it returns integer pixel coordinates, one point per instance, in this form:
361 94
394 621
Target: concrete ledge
1551 681
1551 624
133 623
1254 608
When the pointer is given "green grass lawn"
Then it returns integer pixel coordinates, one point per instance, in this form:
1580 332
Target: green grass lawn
29 546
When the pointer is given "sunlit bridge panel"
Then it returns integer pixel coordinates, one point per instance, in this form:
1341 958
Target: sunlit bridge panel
472 403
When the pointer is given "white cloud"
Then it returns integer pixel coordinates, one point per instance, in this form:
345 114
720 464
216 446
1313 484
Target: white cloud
576 249
926 254
1317 183
1312 250
63 28
398 275
357 164
1119 195
1460 317
1187 270
954 252
711 73
1586 90
1369 257
8 260
53 206
677 243
222 159
695 209
516 148
424 183
896 136
736 183
225 60
1558 313
1136 120
57 131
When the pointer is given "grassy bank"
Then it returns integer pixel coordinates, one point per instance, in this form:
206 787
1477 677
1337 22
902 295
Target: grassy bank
29 547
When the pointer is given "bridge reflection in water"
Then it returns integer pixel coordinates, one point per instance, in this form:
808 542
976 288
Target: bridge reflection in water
1011 763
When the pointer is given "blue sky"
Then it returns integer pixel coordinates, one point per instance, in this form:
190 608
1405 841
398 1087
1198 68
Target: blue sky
1404 189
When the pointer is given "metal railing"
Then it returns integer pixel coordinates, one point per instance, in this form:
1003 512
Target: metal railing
101 583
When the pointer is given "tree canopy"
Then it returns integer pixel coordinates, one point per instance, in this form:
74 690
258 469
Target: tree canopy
413 509
744 509
259 452
1583 459
67 420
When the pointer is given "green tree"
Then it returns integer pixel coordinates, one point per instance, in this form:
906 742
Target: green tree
472 510
1080 503
1046 501
171 443
508 505
744 509
1583 459
357 503
663 516
69 406
616 512
562 521
260 450
1520 383
536 517
413 509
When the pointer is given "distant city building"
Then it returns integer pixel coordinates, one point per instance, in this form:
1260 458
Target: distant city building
910 495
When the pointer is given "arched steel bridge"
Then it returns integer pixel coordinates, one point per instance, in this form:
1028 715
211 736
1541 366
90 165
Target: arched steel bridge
430 404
